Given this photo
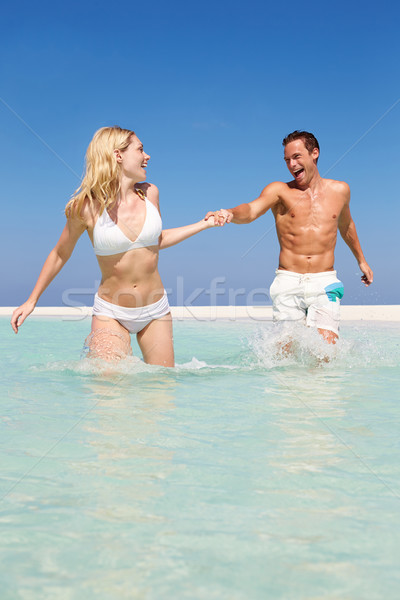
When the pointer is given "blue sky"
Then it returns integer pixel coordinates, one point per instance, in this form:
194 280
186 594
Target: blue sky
211 89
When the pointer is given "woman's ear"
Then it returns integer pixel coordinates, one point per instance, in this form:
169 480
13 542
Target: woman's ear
118 156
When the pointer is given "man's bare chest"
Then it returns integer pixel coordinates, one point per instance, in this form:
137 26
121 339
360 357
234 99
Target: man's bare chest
309 209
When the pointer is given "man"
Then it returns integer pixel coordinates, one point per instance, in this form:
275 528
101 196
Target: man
308 212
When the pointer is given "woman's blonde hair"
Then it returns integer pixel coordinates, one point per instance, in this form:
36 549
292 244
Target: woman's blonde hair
100 184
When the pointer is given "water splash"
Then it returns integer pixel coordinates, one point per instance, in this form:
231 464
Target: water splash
96 366
107 345
280 346
197 365
359 346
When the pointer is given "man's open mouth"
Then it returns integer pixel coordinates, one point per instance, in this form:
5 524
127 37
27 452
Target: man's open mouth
298 173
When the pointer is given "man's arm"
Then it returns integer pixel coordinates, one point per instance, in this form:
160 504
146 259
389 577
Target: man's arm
250 211
348 232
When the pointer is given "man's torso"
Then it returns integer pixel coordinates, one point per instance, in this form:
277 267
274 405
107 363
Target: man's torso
307 223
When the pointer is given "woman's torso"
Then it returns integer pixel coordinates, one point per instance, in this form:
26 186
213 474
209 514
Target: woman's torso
126 243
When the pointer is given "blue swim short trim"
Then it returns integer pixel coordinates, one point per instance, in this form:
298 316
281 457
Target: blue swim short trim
334 291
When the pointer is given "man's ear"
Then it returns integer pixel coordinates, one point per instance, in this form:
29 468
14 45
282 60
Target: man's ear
315 153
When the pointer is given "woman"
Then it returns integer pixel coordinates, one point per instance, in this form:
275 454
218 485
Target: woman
122 218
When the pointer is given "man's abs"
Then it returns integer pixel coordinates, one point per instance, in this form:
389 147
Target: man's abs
306 263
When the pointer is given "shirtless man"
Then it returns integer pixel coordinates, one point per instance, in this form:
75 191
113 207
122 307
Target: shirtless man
308 212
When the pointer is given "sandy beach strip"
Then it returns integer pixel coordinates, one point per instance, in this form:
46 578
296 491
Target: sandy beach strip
213 313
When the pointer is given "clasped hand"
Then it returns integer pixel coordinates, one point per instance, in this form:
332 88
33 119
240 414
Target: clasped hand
221 216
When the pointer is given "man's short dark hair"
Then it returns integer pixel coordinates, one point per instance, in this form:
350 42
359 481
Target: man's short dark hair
309 140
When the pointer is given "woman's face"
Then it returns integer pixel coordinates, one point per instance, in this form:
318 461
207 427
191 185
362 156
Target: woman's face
133 160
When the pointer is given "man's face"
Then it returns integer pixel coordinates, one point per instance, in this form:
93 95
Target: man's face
301 163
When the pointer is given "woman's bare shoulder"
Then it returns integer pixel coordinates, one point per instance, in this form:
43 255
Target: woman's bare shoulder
88 214
150 191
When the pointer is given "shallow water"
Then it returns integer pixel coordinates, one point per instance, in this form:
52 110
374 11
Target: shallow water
240 474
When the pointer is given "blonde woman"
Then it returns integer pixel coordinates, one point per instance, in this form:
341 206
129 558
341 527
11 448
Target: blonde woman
122 217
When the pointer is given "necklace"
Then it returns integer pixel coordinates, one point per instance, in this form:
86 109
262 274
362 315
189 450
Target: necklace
140 193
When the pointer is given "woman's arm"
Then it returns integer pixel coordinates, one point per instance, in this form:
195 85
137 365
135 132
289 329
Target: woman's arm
170 237
53 265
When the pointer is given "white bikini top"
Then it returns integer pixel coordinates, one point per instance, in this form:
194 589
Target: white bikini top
108 238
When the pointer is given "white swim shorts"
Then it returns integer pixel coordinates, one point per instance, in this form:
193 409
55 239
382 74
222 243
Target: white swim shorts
310 297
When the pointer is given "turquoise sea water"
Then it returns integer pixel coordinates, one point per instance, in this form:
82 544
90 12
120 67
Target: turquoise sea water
237 475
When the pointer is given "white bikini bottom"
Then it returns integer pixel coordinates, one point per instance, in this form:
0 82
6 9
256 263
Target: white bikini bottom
133 319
